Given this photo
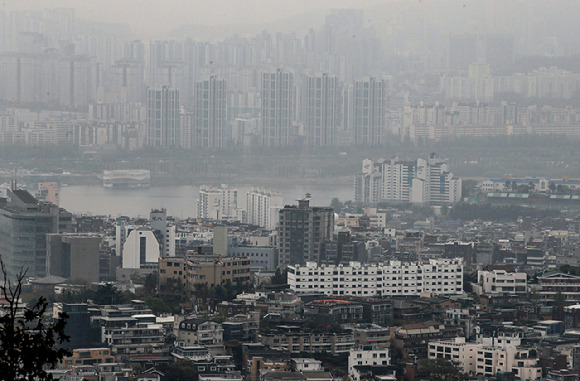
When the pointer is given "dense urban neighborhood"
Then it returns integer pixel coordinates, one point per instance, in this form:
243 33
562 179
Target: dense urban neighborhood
328 190
392 291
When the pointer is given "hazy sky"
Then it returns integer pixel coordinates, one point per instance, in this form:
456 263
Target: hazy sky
158 16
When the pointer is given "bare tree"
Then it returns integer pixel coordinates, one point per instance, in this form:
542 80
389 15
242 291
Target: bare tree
28 342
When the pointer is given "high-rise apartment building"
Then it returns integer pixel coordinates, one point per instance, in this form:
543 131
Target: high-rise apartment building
420 181
24 223
368 185
320 109
278 107
434 184
78 82
164 231
398 178
462 51
500 53
209 111
262 207
302 232
128 80
368 108
162 117
217 203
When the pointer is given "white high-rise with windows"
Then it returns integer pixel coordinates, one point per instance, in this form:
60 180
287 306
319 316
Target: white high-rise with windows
263 207
217 203
420 181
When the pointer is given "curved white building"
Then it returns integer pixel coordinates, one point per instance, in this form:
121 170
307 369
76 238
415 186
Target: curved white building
127 178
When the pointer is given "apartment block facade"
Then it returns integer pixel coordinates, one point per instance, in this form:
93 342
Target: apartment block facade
419 181
502 282
217 202
487 360
212 270
394 278
302 232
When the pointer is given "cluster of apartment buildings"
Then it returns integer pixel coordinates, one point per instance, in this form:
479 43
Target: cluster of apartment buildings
420 181
262 205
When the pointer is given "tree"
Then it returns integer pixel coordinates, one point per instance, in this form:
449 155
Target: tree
27 342
107 294
181 371
552 187
151 282
280 277
559 299
438 370
336 205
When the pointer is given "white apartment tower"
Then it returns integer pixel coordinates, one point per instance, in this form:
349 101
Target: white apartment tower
217 203
321 106
420 181
166 231
278 107
368 185
209 124
368 107
163 117
262 207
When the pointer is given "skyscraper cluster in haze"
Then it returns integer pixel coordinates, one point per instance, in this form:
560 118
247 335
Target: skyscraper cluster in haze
351 80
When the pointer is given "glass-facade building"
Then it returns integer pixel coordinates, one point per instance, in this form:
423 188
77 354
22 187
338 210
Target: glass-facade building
24 224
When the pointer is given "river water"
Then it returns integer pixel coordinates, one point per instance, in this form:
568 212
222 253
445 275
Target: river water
179 200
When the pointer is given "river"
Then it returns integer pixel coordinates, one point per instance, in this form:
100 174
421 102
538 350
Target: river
179 200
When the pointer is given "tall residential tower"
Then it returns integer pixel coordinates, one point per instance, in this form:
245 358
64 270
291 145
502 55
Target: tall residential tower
302 232
162 117
278 107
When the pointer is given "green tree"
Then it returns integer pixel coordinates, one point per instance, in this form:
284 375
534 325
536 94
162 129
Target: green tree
157 305
280 277
181 371
559 299
336 205
438 370
151 282
27 341
108 294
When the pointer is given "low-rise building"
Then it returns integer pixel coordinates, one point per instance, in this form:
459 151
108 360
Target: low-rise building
328 311
364 356
192 352
371 336
227 376
261 257
208 269
457 350
487 360
141 338
394 278
295 340
501 282
411 339
195 331
306 365
87 356
566 285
